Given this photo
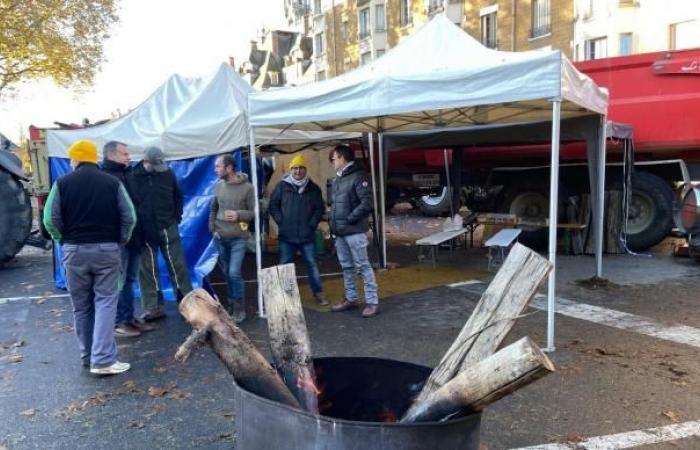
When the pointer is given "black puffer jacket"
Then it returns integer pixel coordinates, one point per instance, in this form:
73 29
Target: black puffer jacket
296 214
351 202
158 201
122 172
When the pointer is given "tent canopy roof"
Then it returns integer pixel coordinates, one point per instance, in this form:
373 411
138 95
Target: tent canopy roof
187 118
438 77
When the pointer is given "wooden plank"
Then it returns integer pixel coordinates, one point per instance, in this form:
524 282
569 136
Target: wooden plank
442 236
250 369
512 288
289 338
613 222
485 382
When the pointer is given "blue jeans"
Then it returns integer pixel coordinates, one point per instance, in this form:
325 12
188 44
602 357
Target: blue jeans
352 256
131 262
231 254
288 251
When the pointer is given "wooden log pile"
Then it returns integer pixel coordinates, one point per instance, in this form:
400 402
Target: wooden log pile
471 374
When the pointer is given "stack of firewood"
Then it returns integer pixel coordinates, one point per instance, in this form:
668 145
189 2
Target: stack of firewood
471 375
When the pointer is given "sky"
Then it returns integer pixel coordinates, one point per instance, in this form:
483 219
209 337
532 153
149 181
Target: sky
153 40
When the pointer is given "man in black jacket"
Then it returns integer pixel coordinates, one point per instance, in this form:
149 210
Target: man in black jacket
350 209
116 163
159 204
90 214
296 205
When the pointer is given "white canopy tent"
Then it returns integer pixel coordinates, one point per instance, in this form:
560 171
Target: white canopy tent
188 118
441 77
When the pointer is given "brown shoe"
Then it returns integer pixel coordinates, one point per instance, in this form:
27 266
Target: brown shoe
370 311
320 299
142 326
126 330
345 305
153 315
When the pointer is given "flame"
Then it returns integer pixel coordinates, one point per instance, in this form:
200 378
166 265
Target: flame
307 384
388 415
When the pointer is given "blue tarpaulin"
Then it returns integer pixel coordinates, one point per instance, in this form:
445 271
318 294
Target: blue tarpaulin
196 178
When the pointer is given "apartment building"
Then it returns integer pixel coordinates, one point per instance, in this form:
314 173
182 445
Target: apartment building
604 28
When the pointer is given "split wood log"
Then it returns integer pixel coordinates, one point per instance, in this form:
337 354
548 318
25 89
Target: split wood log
249 368
491 379
613 222
289 338
510 291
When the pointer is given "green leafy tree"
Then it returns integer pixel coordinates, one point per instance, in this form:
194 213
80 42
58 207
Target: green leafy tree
58 39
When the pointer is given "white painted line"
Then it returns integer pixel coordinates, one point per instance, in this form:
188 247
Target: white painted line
463 283
680 334
36 297
630 439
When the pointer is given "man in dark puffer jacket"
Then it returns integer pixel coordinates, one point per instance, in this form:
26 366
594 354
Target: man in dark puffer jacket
296 205
350 209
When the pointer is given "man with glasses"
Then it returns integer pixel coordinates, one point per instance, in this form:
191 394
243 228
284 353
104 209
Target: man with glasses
351 197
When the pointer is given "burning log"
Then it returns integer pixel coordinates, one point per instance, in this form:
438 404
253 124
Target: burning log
212 324
510 291
289 339
491 379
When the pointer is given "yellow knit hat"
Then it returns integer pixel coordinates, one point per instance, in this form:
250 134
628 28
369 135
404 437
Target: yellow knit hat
83 151
297 161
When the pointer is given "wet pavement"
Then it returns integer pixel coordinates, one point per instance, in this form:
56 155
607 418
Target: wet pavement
608 380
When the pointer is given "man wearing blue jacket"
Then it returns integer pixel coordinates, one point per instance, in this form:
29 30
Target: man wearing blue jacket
296 205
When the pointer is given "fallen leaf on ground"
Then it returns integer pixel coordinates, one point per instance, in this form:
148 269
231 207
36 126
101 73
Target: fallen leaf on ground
28 412
17 344
136 424
161 369
155 391
574 438
179 394
672 416
12 359
155 409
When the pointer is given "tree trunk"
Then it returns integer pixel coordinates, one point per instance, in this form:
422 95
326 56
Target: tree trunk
491 379
249 368
289 338
508 294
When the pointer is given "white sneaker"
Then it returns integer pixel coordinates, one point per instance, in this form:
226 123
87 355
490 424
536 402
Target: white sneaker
117 367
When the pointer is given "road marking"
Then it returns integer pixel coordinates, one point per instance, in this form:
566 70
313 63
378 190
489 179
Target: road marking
36 297
680 334
630 439
464 283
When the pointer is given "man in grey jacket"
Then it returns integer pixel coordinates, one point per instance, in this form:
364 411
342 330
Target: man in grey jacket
351 206
232 209
91 215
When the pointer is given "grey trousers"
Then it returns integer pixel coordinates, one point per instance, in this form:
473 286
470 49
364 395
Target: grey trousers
92 276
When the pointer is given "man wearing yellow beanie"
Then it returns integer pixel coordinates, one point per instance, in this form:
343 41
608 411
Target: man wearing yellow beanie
296 205
91 214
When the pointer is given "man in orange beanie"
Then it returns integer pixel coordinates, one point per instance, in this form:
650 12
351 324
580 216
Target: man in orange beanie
90 214
296 205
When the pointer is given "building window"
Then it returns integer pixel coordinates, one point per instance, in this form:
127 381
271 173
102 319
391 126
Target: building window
319 48
597 48
405 11
274 78
380 52
541 23
365 58
345 30
488 30
625 44
364 23
317 7
379 18
320 76
683 35
623 3
588 10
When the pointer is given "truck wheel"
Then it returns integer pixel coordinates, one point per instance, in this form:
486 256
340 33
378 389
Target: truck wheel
435 205
15 216
650 217
529 201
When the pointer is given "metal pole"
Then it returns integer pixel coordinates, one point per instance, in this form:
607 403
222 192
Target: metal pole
382 197
600 206
258 247
374 186
447 175
553 203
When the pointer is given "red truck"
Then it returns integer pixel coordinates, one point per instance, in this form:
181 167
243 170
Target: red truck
657 93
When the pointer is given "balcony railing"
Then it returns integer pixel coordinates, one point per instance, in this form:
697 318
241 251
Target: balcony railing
540 30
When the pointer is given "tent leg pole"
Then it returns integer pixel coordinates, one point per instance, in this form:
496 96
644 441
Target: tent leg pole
553 214
258 246
447 175
600 206
373 171
382 198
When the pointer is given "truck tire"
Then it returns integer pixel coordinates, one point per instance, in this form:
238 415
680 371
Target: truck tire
435 205
650 217
529 201
15 216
